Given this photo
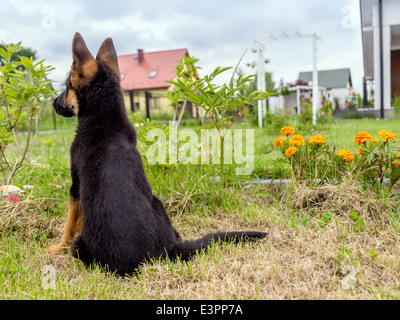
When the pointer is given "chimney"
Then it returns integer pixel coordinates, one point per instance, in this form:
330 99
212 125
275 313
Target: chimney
140 55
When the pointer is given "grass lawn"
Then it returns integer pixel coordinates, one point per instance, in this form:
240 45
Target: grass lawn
315 249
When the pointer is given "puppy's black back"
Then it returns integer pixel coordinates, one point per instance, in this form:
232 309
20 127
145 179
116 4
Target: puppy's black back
123 223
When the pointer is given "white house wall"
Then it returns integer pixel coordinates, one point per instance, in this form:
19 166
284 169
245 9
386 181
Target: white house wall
390 12
340 94
390 17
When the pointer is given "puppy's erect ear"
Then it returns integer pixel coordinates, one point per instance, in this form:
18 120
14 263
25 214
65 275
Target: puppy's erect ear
80 52
108 54
84 66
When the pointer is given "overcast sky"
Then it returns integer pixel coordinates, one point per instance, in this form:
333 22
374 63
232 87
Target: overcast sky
217 32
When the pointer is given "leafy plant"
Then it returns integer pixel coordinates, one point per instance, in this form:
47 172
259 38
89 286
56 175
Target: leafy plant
218 102
376 164
185 72
16 55
378 159
396 105
343 253
372 254
358 221
325 113
22 94
351 100
312 159
325 219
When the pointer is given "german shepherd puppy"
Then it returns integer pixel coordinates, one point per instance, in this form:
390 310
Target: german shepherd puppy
119 222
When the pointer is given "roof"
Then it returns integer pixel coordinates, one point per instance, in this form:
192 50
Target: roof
152 72
329 79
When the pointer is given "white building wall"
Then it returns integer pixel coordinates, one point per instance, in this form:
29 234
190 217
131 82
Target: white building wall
339 93
390 16
391 10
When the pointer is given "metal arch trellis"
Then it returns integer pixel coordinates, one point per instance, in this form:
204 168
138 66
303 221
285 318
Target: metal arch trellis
261 71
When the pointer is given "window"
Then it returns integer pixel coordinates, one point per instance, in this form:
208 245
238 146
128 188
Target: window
153 74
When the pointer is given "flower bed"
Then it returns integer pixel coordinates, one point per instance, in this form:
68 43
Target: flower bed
314 159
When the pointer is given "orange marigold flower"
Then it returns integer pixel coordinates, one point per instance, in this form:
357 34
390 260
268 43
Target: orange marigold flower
398 156
317 140
346 155
396 164
386 135
297 140
359 153
362 137
287 131
291 151
278 142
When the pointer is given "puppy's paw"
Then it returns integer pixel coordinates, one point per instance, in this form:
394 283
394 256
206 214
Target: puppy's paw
55 249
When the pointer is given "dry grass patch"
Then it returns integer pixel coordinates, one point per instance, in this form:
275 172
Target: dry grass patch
291 263
25 218
342 200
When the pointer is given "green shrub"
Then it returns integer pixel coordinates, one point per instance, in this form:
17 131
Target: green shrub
396 105
22 95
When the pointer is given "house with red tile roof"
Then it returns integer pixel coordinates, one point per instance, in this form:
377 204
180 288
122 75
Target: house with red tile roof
143 72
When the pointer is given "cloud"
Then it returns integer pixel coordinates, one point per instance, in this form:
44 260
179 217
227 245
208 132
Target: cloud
216 32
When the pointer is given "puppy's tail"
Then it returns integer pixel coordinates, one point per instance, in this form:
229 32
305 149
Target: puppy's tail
185 250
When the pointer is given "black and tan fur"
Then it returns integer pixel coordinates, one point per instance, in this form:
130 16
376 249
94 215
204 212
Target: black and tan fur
118 221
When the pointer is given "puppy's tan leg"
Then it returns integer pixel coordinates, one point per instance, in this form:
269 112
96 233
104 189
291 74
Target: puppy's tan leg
72 227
